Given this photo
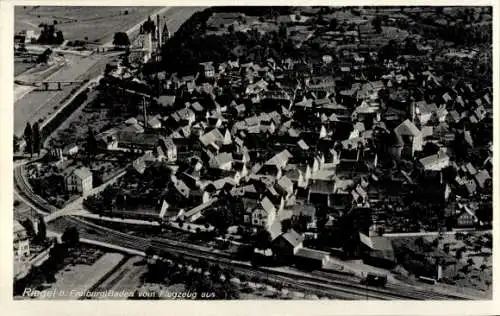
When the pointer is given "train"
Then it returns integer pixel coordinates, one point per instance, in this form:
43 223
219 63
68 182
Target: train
374 279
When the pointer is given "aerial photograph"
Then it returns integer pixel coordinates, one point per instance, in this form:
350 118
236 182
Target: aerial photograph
252 153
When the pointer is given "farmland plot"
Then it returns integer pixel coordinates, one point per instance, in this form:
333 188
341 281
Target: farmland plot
97 24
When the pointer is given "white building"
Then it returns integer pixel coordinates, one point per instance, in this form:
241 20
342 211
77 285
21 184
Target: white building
79 180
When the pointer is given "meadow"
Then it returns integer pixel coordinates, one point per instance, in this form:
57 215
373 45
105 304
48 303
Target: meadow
92 24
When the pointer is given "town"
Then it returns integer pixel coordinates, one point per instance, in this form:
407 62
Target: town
341 143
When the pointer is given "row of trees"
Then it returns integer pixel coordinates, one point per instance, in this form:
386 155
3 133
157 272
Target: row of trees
40 234
212 280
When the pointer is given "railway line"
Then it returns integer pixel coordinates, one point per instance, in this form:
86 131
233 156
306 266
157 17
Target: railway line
320 282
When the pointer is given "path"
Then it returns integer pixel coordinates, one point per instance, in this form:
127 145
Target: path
76 207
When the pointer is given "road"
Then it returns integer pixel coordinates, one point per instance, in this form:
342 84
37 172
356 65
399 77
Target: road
76 207
40 104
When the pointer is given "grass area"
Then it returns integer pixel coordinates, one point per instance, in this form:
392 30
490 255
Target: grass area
100 112
128 276
21 66
81 268
76 278
97 24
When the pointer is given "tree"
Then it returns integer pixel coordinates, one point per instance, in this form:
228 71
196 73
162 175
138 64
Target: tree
446 248
91 142
28 137
121 40
377 24
262 239
70 236
478 248
286 225
59 37
44 57
15 144
30 228
36 143
42 229
149 26
333 24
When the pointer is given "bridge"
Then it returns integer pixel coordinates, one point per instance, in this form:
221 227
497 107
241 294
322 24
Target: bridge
49 85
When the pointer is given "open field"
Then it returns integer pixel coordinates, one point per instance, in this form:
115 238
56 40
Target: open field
73 281
127 277
98 24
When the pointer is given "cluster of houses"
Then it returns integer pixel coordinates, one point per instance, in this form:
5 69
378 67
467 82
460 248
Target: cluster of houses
289 138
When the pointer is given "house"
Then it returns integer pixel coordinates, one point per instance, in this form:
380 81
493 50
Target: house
280 160
471 187
482 177
70 150
136 142
181 187
467 217
435 162
311 259
377 251
410 139
453 116
184 115
79 180
154 123
166 100
169 148
320 192
264 214
208 69
286 244
285 187
214 138
197 108
359 196
425 111
222 161
139 164
21 241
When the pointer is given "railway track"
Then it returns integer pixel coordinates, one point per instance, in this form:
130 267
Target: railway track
319 283
322 283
